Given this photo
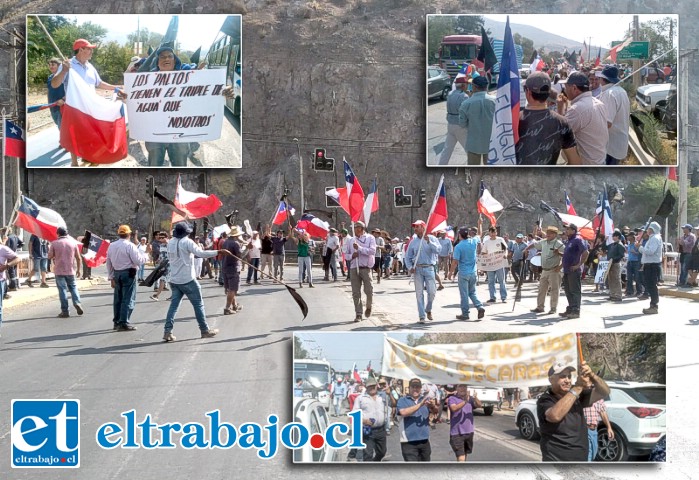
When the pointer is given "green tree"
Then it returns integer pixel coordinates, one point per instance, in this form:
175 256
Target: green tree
639 357
149 39
110 60
299 351
661 34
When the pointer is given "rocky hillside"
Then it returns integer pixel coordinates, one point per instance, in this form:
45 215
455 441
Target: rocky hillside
344 75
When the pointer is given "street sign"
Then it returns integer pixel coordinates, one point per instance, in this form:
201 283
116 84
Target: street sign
633 51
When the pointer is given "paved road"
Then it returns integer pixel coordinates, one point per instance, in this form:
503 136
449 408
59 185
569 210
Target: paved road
245 372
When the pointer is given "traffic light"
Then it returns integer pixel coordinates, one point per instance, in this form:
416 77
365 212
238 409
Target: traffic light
330 202
423 196
400 199
321 163
150 185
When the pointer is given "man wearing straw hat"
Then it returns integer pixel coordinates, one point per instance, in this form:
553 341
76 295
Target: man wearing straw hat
230 270
551 254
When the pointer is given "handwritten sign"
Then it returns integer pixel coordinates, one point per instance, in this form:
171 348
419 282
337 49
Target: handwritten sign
602 267
523 361
175 107
491 262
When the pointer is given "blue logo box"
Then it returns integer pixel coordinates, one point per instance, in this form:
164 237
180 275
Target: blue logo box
45 433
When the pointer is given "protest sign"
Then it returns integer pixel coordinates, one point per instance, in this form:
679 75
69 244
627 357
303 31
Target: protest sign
601 271
523 361
492 261
175 107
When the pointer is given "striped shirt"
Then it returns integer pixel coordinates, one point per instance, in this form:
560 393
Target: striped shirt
587 116
593 413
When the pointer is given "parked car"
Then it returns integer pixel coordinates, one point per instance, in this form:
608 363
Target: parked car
636 411
311 413
666 110
654 74
648 96
438 83
489 397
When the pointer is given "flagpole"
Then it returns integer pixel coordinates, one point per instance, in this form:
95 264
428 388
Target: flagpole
4 165
49 37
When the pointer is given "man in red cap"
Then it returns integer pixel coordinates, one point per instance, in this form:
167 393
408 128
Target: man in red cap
455 132
421 259
80 64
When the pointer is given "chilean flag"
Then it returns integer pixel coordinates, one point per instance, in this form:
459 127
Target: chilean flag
505 132
313 225
92 127
437 219
487 205
599 56
195 205
537 63
339 194
598 213
40 221
96 250
584 225
569 206
14 140
355 194
355 373
282 213
607 222
371 204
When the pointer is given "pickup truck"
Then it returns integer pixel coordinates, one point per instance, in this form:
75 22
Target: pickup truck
490 397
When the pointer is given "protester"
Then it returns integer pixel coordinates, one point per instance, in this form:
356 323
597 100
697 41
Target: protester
39 251
587 117
230 270
338 394
634 275
164 265
455 132
560 411
304 256
574 257
414 411
447 249
254 254
123 261
380 244
495 244
332 245
594 415
461 423
55 94
684 246
143 250
374 420
181 251
64 251
278 252
615 254
14 243
516 255
8 259
465 254
552 251
617 108
476 117
360 251
651 259
421 260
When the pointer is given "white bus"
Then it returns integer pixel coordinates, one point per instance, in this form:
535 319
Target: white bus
225 53
316 377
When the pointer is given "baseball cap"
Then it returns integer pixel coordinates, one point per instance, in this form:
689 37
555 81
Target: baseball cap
579 79
418 222
687 225
519 235
415 381
480 82
124 230
558 368
461 80
538 83
82 43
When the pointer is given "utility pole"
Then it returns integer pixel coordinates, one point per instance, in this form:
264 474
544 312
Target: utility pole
636 63
683 118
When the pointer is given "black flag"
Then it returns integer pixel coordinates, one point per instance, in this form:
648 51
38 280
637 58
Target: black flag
667 205
486 54
195 56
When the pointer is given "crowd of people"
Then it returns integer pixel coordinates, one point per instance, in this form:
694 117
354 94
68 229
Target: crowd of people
582 114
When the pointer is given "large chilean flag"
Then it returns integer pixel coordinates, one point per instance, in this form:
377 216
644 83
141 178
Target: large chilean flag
40 221
92 127
195 205
355 194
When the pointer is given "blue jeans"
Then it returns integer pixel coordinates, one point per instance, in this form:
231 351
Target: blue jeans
124 296
685 264
499 276
255 262
634 276
141 271
3 289
64 284
467 289
193 292
177 153
424 277
56 115
592 441
305 265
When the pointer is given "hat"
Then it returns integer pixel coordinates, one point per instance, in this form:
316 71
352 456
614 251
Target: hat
164 48
461 80
687 225
551 228
133 62
62 231
559 367
480 82
418 222
578 79
182 229
124 230
415 381
344 231
538 83
359 224
144 238
333 230
235 231
371 382
376 230
82 43
519 235
609 73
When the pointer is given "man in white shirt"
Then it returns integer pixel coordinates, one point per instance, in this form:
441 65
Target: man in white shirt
491 245
617 105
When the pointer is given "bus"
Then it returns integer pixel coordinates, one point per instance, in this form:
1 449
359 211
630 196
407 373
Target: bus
316 376
225 54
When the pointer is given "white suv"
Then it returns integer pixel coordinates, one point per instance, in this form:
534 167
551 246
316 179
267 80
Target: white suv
636 411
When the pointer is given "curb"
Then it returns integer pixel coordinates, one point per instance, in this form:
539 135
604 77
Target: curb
26 295
691 294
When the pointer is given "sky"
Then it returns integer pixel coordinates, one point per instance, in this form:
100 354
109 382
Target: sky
602 28
194 30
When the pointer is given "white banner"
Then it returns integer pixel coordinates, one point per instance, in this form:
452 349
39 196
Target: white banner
491 262
516 362
175 107
601 271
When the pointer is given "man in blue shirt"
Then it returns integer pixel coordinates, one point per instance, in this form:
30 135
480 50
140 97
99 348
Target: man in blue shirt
574 257
421 259
476 115
414 425
633 268
338 393
57 94
455 132
465 254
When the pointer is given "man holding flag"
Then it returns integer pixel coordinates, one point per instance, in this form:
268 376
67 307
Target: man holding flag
421 260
